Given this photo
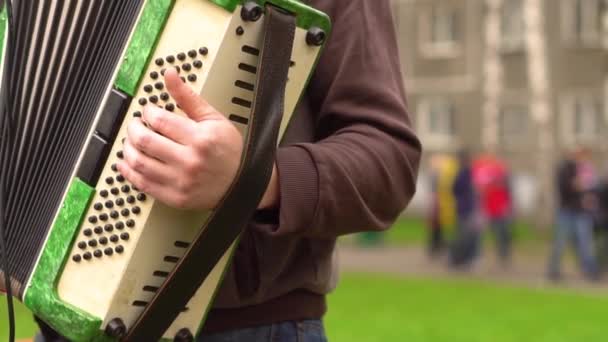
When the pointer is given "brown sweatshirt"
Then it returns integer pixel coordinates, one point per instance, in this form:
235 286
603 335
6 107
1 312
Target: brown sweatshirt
348 163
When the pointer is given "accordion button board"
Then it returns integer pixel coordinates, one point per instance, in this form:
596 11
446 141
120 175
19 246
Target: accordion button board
134 239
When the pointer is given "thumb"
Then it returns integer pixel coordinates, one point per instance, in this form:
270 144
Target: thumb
189 101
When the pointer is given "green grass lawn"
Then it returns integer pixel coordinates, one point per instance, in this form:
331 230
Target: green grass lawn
368 308
408 231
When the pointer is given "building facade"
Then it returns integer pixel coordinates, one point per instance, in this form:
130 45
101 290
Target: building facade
525 79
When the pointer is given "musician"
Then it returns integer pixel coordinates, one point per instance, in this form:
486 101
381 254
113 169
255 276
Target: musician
347 164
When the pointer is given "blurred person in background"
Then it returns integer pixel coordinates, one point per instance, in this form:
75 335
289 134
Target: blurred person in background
601 223
492 180
465 247
442 213
576 180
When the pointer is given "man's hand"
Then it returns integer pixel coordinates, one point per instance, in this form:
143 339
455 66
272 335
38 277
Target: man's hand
185 162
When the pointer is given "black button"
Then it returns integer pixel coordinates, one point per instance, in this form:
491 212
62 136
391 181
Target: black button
119 154
197 64
108 227
192 53
103 193
130 223
114 191
109 180
130 199
164 96
114 238
170 59
120 178
119 249
153 99
98 230
114 214
124 236
92 242
93 219
170 107
119 225
203 51
148 88
187 66
82 245
159 61
120 201
240 31
142 101
159 85
87 232
162 71
103 240
109 204
192 77
136 210
103 217
114 167
125 188
154 75
183 79
178 69
98 206
141 197
77 258
87 256
125 212
97 253
108 251
181 56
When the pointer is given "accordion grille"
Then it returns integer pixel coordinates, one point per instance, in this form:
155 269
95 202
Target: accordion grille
64 55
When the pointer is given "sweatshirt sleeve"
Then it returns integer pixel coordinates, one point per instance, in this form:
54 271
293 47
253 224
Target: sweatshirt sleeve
361 170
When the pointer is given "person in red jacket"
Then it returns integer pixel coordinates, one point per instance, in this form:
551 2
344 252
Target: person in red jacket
492 180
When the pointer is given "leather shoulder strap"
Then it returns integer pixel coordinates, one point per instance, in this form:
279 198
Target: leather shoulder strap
240 202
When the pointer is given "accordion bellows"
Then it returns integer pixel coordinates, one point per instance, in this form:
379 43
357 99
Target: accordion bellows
84 245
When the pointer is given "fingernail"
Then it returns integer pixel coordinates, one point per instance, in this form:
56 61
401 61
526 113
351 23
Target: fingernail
151 110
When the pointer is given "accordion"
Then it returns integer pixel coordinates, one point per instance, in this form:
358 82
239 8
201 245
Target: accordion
86 251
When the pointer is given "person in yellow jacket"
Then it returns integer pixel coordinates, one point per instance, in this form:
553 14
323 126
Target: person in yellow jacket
443 169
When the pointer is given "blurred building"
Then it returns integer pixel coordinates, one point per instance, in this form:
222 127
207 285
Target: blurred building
524 78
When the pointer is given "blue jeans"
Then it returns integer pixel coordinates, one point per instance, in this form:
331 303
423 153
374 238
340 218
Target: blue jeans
576 226
299 331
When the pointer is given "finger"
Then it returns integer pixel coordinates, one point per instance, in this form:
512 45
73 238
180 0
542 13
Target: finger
170 127
161 192
138 180
190 102
152 169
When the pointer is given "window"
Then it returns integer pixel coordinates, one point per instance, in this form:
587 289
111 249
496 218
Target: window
582 120
513 125
437 122
439 31
512 27
582 21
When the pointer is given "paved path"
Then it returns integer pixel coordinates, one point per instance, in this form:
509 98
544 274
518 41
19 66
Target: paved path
524 270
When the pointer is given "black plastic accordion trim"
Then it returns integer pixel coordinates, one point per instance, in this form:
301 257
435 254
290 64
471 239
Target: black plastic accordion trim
64 58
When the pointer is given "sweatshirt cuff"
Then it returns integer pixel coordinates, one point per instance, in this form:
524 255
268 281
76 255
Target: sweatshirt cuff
299 187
